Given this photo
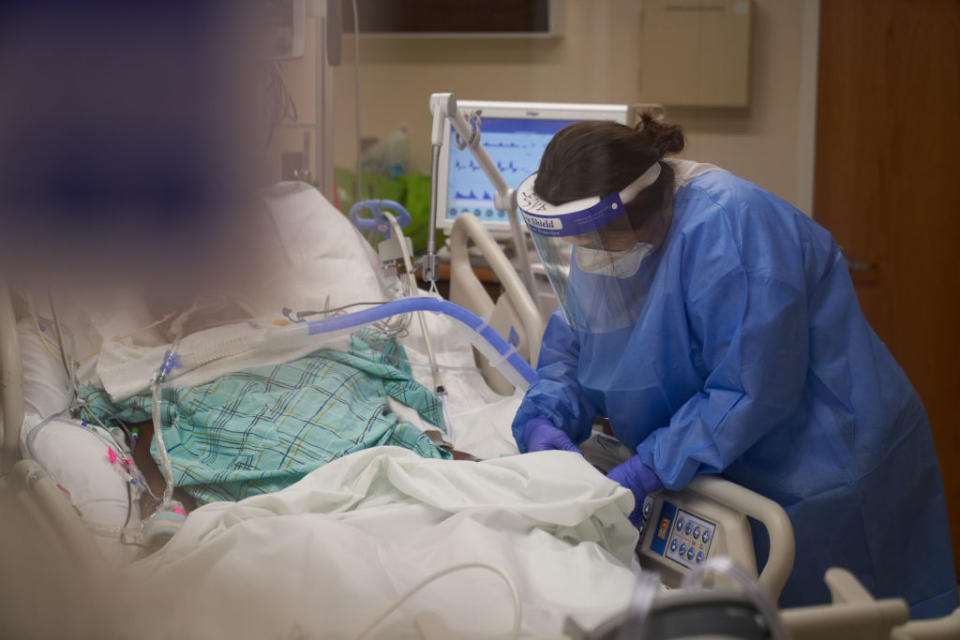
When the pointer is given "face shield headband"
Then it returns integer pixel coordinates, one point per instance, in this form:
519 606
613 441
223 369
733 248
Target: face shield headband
579 216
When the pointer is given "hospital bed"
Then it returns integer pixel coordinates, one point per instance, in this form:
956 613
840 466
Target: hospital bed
718 508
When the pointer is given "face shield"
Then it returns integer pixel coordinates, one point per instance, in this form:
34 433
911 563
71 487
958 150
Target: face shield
594 253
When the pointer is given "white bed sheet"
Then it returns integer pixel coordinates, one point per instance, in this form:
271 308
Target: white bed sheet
324 557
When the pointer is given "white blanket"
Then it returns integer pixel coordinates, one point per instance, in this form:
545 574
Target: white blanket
324 557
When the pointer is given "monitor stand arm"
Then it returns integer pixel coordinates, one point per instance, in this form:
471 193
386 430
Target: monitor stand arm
443 106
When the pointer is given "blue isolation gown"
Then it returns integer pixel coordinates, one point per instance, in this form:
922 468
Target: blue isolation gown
746 355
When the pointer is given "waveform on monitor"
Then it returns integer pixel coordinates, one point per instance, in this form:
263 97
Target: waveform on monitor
510 167
459 195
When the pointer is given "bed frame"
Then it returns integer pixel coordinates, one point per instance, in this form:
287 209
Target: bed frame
515 315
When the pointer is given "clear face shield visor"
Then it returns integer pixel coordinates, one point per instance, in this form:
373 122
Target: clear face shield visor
592 251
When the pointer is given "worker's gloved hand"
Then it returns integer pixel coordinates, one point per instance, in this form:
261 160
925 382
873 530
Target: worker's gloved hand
540 434
640 479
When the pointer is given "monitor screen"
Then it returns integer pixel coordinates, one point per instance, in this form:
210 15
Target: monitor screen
515 144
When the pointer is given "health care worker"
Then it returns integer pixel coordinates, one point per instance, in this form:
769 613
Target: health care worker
717 328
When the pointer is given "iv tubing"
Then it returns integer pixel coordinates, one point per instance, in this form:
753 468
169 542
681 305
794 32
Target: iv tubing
514 595
166 469
412 286
438 387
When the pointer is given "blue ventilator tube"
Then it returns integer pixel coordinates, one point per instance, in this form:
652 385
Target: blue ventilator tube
482 335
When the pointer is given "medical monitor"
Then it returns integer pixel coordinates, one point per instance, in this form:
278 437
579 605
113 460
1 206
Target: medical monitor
515 135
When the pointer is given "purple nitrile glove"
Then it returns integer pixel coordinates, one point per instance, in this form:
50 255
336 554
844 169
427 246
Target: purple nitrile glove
540 434
640 479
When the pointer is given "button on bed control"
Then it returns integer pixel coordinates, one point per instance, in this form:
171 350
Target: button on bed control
700 557
706 536
690 553
683 549
688 528
679 524
673 545
696 533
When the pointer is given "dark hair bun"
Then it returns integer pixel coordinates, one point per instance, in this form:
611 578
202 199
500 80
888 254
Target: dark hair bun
665 138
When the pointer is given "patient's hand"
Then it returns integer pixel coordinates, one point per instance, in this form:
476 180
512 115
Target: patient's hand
460 455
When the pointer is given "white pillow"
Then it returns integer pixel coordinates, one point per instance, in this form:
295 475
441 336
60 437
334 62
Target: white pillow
45 387
328 260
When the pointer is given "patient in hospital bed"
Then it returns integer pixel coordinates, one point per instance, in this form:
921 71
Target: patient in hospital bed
254 422
260 429
322 481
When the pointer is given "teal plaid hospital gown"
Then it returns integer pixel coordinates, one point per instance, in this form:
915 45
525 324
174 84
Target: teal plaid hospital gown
261 429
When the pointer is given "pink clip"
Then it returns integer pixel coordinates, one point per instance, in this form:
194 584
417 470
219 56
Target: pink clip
112 455
126 462
180 511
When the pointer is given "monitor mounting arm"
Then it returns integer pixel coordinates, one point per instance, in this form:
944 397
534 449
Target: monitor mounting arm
443 106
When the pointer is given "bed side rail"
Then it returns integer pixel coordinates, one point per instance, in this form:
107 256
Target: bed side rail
51 511
770 514
11 383
515 307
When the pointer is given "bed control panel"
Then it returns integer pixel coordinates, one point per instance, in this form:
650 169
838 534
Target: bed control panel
682 536
680 530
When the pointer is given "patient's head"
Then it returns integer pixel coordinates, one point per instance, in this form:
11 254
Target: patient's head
130 143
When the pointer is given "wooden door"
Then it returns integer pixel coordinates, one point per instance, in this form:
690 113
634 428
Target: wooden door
888 187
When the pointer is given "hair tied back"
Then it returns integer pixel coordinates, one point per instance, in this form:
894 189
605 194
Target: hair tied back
665 138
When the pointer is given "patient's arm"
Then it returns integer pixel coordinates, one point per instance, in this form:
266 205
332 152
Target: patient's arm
460 455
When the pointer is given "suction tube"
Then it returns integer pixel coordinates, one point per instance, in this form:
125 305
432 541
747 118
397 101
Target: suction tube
497 350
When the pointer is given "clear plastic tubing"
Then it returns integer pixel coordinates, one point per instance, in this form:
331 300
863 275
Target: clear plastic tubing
497 350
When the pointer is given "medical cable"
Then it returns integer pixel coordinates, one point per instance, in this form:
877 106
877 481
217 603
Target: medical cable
725 566
169 363
409 283
517 606
67 364
301 315
109 441
391 331
409 287
136 477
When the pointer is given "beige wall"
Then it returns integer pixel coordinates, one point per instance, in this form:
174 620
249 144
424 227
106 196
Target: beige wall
596 60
